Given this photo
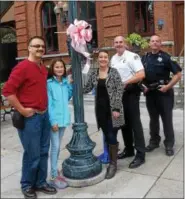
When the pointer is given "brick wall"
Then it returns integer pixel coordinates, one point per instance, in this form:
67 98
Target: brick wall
21 27
28 24
163 10
109 21
112 20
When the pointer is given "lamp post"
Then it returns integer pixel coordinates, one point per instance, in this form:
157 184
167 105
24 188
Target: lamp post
81 164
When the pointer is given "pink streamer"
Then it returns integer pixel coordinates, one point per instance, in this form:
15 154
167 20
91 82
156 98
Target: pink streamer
81 32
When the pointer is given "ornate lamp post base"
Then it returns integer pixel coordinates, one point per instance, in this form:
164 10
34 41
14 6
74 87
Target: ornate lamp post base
87 182
81 164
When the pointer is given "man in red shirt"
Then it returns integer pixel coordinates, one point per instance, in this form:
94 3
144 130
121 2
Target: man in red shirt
26 90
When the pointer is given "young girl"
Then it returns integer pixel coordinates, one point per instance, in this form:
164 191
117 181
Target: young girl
59 93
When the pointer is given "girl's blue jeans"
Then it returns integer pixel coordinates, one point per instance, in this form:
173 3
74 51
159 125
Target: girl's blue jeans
56 138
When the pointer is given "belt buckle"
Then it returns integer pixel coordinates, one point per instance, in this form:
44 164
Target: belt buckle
40 112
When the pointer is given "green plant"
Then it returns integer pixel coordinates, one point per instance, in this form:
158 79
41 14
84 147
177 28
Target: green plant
1 87
136 39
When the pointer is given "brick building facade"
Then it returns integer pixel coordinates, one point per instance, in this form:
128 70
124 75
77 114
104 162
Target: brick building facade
112 19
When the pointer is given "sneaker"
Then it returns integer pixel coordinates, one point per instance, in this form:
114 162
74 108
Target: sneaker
60 176
58 183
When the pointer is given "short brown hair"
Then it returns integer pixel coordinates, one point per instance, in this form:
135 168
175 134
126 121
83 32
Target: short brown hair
36 37
51 71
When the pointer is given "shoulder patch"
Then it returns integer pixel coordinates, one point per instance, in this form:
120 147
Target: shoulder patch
136 57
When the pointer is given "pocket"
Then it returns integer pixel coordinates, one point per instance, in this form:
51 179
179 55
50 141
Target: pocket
18 120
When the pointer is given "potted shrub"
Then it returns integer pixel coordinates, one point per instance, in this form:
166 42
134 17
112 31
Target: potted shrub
137 42
1 86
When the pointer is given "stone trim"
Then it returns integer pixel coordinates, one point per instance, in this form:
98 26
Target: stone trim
47 56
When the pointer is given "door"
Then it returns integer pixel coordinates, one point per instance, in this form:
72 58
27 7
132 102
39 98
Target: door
179 26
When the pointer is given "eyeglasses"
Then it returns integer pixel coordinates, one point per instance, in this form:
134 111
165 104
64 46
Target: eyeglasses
38 46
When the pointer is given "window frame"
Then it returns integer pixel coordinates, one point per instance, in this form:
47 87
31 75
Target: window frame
132 24
50 26
88 20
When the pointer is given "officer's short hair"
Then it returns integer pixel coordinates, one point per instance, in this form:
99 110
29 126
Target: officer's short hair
155 35
124 40
120 36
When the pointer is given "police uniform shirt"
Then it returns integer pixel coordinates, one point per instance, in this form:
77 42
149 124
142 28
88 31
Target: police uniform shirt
158 66
127 64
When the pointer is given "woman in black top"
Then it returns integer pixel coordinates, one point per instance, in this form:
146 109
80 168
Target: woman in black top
108 105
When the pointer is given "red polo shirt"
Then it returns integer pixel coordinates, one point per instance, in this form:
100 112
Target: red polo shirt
28 82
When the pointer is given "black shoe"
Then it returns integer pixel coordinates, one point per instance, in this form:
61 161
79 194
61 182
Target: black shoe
136 163
126 154
151 147
169 151
29 193
47 189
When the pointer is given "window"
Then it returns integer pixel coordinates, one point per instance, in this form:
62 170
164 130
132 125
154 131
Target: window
142 19
49 24
87 12
4 5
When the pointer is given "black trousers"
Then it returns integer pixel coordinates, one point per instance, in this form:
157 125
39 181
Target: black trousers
161 104
132 131
110 133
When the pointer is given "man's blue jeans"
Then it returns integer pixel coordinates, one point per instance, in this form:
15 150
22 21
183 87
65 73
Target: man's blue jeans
56 138
35 139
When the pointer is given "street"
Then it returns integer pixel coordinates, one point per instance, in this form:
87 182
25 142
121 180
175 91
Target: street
160 177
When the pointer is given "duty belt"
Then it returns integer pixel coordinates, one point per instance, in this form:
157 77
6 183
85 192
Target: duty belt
156 85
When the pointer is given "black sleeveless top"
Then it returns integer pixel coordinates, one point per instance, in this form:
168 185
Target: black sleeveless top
102 104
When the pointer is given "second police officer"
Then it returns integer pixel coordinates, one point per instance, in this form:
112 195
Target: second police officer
159 93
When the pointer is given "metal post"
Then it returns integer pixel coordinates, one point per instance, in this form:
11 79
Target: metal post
81 164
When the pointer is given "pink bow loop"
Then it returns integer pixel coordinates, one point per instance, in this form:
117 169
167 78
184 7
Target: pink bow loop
80 32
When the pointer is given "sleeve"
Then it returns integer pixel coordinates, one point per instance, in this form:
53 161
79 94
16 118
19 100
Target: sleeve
119 91
89 85
70 90
143 59
136 63
16 79
50 106
174 66
111 61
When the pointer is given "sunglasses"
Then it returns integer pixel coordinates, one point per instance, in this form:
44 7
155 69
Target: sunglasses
38 46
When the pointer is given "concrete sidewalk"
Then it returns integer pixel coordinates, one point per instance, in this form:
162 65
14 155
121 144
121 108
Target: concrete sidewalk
159 177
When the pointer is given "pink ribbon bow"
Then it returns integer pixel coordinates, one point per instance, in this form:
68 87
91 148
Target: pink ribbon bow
80 32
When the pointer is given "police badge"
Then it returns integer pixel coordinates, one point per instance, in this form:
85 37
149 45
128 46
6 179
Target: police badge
159 59
136 57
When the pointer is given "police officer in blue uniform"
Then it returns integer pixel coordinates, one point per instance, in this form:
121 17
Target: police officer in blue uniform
158 89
